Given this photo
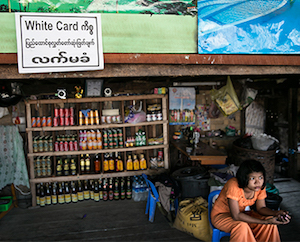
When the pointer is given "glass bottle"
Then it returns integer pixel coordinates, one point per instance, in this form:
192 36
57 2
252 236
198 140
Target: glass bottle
143 163
100 189
122 189
66 167
105 163
82 163
59 167
105 189
128 188
92 188
67 193
87 164
136 163
73 167
116 189
42 196
129 165
74 192
48 194
111 163
61 195
80 192
97 164
38 193
120 164
54 193
86 190
110 190
96 192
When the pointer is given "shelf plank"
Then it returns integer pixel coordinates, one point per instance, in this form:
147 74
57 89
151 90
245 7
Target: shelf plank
79 152
96 176
102 126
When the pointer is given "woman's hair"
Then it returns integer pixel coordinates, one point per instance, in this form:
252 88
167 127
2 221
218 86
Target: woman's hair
247 167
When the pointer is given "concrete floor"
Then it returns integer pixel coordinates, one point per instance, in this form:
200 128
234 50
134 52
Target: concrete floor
118 220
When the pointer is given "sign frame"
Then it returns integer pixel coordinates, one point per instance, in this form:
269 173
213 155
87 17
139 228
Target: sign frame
59 42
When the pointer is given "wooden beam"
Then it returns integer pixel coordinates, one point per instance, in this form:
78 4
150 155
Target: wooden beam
146 70
193 59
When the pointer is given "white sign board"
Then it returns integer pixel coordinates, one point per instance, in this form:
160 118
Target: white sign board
59 42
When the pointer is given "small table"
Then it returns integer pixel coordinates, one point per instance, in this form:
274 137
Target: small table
203 153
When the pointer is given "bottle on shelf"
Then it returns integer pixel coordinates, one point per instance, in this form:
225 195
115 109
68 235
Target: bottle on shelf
128 188
92 188
129 165
67 193
86 190
116 189
61 195
66 167
105 163
74 196
96 192
80 191
38 193
97 164
82 164
143 163
73 167
47 194
42 196
59 167
110 189
100 189
54 193
87 164
136 163
105 189
122 189
111 163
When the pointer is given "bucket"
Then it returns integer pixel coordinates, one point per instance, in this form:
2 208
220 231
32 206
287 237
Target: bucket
193 182
273 201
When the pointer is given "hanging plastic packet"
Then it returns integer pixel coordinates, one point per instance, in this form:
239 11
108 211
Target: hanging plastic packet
226 98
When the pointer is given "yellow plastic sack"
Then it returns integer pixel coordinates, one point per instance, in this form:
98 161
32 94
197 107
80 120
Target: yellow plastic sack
226 98
192 218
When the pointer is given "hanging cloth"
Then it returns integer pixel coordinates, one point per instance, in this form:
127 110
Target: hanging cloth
13 167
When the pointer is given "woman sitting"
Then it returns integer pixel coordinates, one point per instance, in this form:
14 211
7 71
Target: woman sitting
246 189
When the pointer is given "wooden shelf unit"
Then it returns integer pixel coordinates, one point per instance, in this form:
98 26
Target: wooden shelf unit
154 127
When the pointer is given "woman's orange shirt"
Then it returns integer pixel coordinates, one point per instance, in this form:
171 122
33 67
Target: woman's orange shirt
231 190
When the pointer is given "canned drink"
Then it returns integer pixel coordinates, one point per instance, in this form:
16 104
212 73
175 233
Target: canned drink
62 121
71 119
61 146
66 146
113 119
91 120
75 145
80 121
33 122
159 116
61 112
71 111
149 117
108 119
55 121
71 146
103 119
118 118
44 121
67 113
56 114
56 146
49 121
96 115
95 144
67 121
38 122
86 120
80 114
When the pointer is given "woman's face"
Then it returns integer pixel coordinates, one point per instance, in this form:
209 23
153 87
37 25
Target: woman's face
256 181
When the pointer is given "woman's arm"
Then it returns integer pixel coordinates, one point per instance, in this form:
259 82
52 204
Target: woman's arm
264 210
240 216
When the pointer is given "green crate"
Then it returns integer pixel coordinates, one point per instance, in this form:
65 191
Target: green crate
4 207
